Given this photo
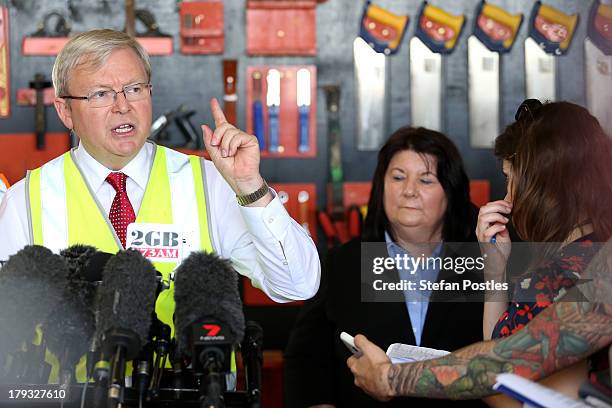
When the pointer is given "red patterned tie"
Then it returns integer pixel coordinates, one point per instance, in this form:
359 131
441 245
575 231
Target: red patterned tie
121 212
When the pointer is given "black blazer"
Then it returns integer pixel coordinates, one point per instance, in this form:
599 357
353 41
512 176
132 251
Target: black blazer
315 358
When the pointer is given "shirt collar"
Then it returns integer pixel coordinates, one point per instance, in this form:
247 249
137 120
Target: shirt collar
428 273
95 172
394 249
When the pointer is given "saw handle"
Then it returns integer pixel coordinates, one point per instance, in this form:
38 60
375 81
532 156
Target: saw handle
381 29
550 16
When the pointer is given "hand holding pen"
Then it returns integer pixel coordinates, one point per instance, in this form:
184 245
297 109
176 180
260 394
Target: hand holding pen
492 233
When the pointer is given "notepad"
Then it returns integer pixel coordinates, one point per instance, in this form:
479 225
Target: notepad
533 394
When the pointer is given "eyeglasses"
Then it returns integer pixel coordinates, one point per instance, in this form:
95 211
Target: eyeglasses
106 97
527 109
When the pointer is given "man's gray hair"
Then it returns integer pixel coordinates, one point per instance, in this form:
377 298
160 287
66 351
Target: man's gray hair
93 48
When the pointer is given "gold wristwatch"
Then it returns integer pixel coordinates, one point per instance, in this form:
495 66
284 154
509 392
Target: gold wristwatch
256 195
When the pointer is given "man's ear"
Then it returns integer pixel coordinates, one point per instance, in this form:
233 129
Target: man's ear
63 111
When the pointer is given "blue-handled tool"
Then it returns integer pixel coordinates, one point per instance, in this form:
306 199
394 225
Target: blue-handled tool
258 114
303 102
273 128
273 103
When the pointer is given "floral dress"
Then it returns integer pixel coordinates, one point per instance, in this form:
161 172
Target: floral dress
546 284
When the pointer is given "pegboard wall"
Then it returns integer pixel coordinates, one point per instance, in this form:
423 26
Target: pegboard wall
194 79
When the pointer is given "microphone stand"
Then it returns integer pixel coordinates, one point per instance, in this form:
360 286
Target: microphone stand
211 386
101 375
124 344
253 361
177 369
162 348
144 373
117 383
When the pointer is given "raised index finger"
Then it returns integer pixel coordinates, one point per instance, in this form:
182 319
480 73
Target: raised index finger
217 113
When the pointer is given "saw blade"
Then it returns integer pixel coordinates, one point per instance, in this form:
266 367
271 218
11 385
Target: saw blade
483 93
540 72
598 71
370 77
426 86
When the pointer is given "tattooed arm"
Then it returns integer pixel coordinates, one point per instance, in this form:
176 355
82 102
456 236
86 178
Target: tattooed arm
564 333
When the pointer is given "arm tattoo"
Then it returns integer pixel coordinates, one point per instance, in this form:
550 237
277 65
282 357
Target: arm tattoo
566 332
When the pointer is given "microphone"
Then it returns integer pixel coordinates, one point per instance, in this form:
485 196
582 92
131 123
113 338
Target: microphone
31 284
85 266
144 365
252 355
209 320
69 328
160 336
126 298
68 331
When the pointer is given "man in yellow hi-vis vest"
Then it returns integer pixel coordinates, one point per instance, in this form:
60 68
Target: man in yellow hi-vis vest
102 81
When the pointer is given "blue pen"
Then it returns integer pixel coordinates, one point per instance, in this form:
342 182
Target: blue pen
493 240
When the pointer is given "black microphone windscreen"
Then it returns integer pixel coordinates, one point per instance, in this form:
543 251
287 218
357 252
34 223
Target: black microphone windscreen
85 266
77 257
95 267
126 296
31 283
206 286
85 262
70 326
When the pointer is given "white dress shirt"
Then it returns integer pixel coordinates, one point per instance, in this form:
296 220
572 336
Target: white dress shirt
263 243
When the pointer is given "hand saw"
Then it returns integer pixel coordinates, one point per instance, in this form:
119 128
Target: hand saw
5 80
380 34
550 34
494 33
598 63
436 33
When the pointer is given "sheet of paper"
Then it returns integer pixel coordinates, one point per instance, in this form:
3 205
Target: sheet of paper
404 353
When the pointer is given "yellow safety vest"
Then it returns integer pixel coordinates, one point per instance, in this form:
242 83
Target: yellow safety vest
60 182
4 180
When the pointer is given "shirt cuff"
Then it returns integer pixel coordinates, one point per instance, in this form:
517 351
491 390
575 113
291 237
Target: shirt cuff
274 217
